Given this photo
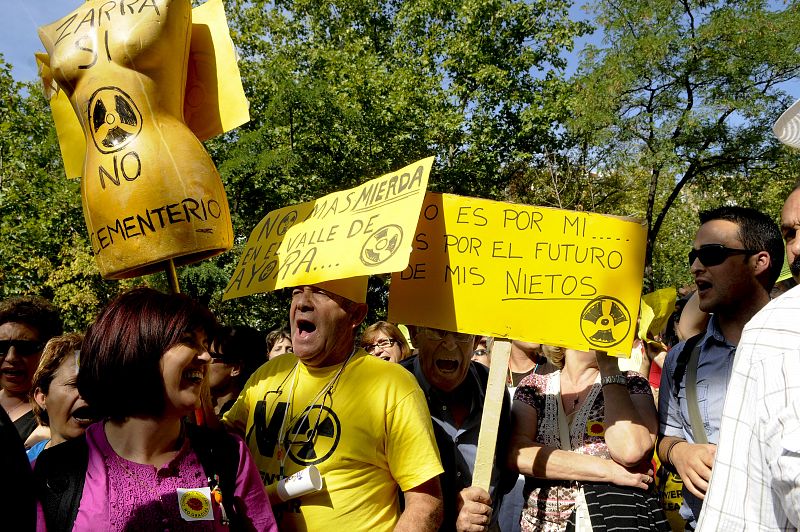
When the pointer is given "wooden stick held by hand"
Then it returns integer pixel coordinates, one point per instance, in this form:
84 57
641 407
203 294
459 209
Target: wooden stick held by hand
492 406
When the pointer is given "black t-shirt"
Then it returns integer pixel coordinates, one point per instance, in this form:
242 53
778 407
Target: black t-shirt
25 425
17 505
517 377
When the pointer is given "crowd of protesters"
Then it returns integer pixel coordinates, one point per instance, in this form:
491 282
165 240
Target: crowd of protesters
158 417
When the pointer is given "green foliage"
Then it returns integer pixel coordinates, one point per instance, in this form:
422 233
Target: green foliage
42 233
671 116
687 92
342 91
562 182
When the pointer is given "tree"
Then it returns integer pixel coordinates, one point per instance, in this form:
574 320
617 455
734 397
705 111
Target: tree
687 90
341 91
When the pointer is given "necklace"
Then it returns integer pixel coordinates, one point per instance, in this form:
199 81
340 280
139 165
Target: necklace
580 394
302 418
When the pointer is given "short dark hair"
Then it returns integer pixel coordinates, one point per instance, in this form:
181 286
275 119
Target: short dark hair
757 231
243 345
273 337
34 311
120 373
57 350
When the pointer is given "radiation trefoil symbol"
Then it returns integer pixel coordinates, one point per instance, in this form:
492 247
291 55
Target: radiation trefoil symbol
114 119
381 245
605 322
286 222
315 436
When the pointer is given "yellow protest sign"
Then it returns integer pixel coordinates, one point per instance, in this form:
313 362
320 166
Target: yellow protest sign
553 276
69 131
657 307
150 192
215 101
362 231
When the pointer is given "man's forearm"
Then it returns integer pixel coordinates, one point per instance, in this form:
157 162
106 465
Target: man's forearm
424 509
420 519
664 449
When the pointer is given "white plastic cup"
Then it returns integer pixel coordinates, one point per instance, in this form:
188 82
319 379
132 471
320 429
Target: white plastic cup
303 482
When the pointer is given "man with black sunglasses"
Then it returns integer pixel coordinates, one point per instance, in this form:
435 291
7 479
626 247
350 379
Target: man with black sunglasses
26 324
736 258
756 480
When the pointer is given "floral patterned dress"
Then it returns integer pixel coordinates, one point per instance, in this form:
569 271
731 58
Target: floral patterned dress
549 503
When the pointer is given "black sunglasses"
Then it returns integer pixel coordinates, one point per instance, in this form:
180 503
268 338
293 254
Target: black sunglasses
715 254
23 348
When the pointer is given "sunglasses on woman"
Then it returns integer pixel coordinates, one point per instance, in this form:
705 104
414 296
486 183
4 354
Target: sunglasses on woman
23 348
715 254
386 343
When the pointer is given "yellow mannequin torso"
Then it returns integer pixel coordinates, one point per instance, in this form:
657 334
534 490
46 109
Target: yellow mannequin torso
150 191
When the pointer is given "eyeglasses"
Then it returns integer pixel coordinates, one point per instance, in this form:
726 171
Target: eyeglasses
23 348
439 334
386 343
715 254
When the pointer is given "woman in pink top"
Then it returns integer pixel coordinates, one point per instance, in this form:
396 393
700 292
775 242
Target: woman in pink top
142 368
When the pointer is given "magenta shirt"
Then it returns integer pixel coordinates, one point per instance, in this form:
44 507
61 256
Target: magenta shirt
119 494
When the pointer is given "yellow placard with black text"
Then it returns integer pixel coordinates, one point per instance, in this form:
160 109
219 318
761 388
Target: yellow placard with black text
538 274
361 231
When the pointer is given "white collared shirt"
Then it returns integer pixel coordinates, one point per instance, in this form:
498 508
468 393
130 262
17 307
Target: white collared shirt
755 479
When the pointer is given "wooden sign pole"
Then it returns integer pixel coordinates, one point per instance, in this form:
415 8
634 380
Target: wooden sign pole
492 406
172 277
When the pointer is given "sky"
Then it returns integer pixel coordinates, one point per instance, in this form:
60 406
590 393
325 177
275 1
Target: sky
21 18
18 24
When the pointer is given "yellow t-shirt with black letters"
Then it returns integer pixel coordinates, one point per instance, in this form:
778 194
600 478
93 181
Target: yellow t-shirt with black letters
370 435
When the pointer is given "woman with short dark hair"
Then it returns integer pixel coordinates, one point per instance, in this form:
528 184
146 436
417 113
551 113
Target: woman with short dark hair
54 396
279 342
236 352
142 368
26 324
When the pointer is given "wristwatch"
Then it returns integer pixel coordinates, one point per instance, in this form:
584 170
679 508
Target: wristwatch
619 378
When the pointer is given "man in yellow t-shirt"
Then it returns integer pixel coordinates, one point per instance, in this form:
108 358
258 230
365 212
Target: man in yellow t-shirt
362 422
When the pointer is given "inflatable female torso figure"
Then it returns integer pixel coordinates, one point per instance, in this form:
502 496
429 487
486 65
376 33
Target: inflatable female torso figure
150 191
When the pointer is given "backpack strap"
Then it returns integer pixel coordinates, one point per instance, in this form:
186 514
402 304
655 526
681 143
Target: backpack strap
59 476
683 361
693 406
218 453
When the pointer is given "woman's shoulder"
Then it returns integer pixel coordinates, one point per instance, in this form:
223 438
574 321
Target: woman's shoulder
637 383
533 388
537 381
